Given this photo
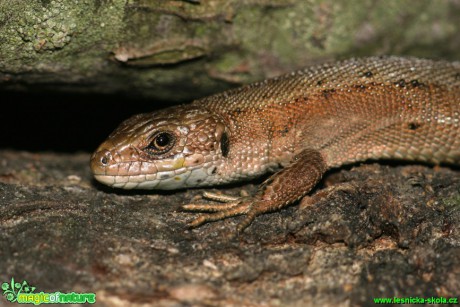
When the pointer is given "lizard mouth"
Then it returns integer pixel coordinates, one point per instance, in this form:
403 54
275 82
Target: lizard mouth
127 182
160 181
116 170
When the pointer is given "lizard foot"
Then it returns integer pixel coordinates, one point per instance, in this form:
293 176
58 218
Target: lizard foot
231 206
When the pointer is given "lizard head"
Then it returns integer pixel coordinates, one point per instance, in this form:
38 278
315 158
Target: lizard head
174 148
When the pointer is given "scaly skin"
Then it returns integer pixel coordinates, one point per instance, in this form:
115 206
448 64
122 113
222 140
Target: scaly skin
297 126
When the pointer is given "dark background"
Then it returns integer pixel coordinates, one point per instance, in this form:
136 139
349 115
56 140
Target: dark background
64 122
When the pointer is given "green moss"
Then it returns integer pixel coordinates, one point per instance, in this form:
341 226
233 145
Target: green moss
213 43
48 28
288 34
228 62
38 32
452 202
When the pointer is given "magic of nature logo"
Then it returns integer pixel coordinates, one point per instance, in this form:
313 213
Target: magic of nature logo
23 293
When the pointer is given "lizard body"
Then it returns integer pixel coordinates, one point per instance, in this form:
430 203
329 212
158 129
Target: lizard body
298 126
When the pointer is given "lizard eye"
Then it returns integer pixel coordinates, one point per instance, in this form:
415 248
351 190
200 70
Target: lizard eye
161 142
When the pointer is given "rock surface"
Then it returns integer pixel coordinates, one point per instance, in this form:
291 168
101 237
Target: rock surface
372 230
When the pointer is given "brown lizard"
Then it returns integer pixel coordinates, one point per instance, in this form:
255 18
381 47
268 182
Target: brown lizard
298 126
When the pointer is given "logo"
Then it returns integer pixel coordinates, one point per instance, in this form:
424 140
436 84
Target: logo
23 293
13 289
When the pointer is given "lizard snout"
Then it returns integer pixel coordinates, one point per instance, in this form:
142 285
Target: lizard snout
100 160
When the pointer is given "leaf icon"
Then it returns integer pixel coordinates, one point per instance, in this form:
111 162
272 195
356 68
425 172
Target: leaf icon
10 297
13 289
5 286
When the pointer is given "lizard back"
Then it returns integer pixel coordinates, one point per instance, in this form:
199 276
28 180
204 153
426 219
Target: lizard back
358 109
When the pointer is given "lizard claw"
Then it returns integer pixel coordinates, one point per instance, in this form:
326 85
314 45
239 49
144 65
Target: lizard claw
223 198
227 200
249 207
209 207
220 212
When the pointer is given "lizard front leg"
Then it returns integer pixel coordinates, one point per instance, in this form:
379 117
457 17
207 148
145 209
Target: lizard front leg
281 189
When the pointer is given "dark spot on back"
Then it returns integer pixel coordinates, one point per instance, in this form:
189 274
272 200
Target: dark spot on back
368 74
400 83
416 83
320 82
301 99
413 126
238 110
457 76
224 144
328 93
359 87
284 131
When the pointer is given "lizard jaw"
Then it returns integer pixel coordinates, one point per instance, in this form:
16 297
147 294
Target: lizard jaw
160 181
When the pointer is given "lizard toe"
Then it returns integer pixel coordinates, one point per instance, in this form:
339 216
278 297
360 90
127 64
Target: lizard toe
234 210
209 207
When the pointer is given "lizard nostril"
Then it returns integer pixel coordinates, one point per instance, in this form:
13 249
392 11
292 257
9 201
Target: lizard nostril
104 160
101 161
106 157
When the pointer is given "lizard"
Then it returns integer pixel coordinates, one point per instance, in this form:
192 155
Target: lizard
296 126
